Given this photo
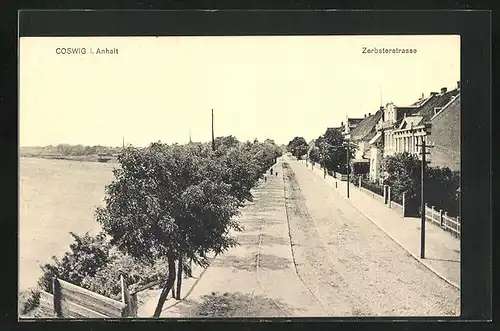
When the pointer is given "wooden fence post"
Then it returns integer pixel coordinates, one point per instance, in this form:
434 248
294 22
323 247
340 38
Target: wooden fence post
130 306
389 195
441 221
335 184
385 194
56 291
404 204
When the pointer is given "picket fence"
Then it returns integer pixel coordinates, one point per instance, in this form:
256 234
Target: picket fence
442 219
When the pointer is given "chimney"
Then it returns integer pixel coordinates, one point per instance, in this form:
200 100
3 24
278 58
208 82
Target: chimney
382 108
365 115
341 123
434 93
458 85
369 114
443 90
422 98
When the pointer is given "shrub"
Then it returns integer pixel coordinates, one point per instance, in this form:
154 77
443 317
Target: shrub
373 186
87 255
28 301
107 280
441 190
94 264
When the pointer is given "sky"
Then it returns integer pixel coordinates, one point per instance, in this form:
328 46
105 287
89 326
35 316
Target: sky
163 88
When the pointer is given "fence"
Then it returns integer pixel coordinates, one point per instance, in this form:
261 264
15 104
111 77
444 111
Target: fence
442 219
71 301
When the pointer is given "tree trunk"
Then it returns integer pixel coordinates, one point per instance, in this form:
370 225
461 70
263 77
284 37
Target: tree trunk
168 285
179 277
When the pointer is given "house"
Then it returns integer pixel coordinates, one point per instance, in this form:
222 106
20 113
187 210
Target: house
411 131
445 136
350 124
402 129
361 136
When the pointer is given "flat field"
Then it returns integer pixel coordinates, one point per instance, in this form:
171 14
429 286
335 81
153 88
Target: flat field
55 197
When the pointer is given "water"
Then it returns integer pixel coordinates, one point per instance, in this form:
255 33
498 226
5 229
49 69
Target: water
55 197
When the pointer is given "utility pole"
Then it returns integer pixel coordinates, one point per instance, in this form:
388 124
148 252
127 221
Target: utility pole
422 198
213 137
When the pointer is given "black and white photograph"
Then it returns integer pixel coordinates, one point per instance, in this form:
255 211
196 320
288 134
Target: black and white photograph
239 176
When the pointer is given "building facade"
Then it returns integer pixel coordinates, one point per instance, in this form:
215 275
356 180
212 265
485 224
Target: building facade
361 136
403 129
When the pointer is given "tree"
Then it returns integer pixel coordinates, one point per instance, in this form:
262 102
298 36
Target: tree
403 176
333 147
166 203
298 147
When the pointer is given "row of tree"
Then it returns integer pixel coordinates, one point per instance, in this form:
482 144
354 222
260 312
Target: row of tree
403 171
177 203
74 150
330 150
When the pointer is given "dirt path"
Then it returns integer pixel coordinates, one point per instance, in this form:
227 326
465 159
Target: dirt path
358 269
305 252
257 278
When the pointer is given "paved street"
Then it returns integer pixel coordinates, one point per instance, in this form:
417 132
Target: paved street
306 251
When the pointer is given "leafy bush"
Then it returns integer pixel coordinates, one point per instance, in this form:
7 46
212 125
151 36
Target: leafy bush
87 255
106 281
441 190
403 176
373 186
28 301
93 263
404 172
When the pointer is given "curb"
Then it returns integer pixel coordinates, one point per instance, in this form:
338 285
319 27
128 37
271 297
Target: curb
423 262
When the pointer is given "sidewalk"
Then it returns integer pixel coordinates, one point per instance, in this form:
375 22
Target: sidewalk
442 250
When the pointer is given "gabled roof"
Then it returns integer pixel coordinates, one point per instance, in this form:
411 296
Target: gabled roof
354 121
450 106
427 110
408 111
376 138
409 121
365 130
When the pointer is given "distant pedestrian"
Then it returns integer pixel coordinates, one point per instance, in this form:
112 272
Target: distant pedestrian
265 178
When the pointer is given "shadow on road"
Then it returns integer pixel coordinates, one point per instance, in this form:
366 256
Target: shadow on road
235 304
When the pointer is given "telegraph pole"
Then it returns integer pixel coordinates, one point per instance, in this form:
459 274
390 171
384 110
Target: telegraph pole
422 204
213 137
422 198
